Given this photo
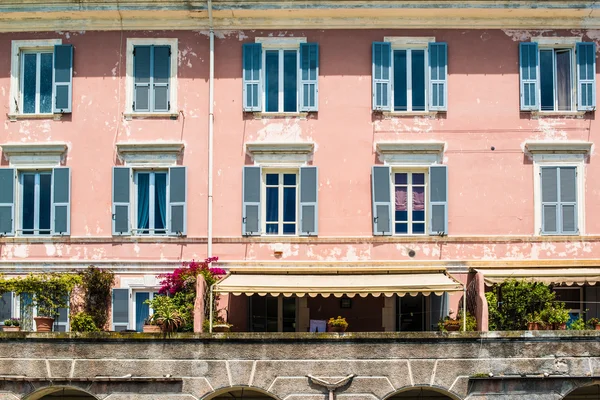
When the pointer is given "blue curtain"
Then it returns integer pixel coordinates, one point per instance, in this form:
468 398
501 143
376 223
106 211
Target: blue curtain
143 201
160 220
142 311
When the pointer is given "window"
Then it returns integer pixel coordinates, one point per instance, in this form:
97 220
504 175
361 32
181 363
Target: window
152 76
409 75
280 202
272 314
559 200
141 310
41 77
36 203
558 77
280 75
159 205
573 299
410 208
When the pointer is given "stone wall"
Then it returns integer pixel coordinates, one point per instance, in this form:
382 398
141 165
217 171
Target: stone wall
509 365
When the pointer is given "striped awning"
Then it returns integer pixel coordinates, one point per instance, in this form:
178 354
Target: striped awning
557 276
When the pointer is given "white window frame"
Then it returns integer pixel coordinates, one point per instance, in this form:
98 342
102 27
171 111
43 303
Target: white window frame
129 77
280 44
134 195
20 201
280 223
18 48
410 171
133 303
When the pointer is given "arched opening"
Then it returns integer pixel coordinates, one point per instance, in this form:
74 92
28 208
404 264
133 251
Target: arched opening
421 393
240 393
59 392
586 392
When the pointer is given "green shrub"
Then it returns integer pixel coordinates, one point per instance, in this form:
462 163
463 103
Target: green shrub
83 322
97 286
577 325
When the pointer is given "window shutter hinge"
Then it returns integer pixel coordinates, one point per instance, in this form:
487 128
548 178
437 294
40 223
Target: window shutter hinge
169 50
134 51
169 105
133 105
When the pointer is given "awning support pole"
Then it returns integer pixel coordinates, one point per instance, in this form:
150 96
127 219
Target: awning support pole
464 309
211 301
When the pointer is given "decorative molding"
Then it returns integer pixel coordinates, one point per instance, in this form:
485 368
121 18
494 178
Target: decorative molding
407 41
280 42
410 152
556 41
34 154
293 153
150 153
558 147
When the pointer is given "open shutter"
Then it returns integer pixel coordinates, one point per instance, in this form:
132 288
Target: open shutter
61 201
438 76
586 76
6 306
121 202
568 200
382 200
177 200
529 76
309 76
252 60
438 199
63 78
251 201
61 323
142 77
309 189
161 73
26 311
382 76
120 309
7 201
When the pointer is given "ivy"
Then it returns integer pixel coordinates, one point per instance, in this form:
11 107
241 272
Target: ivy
97 287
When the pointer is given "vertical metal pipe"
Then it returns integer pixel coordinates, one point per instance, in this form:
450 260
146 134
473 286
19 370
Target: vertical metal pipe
211 118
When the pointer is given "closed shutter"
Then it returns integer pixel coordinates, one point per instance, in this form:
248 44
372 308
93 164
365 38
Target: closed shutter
382 200
438 76
251 73
559 200
568 200
161 73
7 200
549 190
61 323
121 202
529 76
382 76
61 201
63 78
438 200
251 201
120 309
142 77
309 76
586 76
6 306
26 315
309 189
177 200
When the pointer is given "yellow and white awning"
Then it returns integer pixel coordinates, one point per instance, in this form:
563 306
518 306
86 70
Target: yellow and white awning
337 282
566 276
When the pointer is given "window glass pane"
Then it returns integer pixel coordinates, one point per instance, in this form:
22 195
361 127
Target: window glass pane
418 228
45 203
400 179
160 202
143 202
289 229
418 216
28 203
401 198
547 80
289 314
46 83
401 228
418 179
290 80
272 229
400 81
272 205
272 80
289 179
563 80
29 79
418 80
272 305
401 216
272 179
289 204
418 198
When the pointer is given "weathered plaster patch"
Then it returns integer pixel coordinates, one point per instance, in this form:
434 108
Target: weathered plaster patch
225 34
286 249
50 249
287 131
518 35
550 129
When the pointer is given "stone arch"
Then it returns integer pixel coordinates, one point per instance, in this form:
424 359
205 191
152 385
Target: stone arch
241 392
413 392
59 392
585 392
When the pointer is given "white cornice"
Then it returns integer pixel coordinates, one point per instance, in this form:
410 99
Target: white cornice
295 153
403 152
34 154
149 153
558 147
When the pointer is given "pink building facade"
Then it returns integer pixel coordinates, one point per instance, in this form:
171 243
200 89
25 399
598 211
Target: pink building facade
346 142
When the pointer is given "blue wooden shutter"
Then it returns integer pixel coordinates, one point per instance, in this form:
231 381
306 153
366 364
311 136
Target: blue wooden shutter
252 60
120 309
63 78
251 201
549 194
529 76
177 201
438 76
309 76
586 76
61 201
61 323
6 306
161 74
121 203
26 311
438 199
381 193
309 196
382 76
568 200
7 201
142 78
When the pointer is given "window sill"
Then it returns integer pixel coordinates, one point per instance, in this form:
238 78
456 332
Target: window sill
550 114
168 115
15 117
396 114
262 115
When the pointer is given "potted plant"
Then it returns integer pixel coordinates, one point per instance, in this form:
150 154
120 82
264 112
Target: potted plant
149 326
449 324
338 324
534 322
221 326
166 314
594 323
12 325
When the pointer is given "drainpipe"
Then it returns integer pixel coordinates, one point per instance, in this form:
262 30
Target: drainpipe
465 308
211 119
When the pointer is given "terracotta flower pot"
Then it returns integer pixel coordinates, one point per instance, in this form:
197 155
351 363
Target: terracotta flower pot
560 327
151 329
598 327
43 324
531 326
452 327
337 328
221 328
11 328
